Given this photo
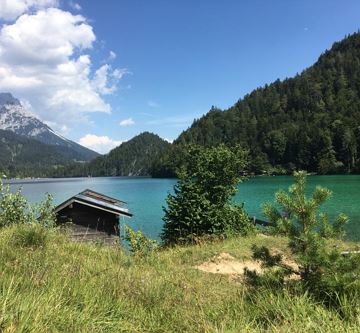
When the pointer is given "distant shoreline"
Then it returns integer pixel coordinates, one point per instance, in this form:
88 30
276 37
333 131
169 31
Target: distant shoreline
74 179
60 179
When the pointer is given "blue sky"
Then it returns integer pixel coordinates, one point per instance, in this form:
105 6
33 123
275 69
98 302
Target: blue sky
175 59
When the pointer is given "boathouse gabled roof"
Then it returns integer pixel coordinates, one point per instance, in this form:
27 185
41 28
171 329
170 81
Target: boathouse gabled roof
97 200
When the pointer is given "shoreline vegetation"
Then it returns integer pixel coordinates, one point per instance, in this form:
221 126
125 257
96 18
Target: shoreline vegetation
20 179
213 271
81 170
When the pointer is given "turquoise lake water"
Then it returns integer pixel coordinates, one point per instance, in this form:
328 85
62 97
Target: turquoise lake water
146 196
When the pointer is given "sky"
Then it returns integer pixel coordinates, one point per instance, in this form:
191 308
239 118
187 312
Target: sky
101 72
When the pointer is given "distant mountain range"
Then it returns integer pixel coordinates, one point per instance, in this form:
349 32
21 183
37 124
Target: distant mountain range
22 157
135 157
28 147
15 118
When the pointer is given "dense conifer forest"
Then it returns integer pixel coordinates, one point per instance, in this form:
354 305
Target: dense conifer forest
24 157
310 122
132 158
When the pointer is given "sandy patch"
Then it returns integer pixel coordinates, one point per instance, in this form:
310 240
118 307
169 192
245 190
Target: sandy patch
226 264
289 263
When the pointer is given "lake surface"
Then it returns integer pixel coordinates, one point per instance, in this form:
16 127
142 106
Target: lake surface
146 196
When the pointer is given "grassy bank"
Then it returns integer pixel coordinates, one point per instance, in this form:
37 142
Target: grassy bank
50 284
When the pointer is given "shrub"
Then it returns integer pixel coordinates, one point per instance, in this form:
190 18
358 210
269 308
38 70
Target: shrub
45 212
140 245
201 203
237 221
15 209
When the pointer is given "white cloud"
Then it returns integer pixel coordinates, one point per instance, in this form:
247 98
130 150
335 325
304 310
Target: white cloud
42 60
127 122
101 81
75 5
11 9
153 104
106 80
112 55
118 73
58 128
101 144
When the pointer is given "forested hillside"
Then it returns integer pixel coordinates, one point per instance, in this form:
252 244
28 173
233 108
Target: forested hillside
132 158
311 121
22 157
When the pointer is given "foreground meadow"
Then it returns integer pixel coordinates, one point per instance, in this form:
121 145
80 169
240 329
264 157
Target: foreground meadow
51 284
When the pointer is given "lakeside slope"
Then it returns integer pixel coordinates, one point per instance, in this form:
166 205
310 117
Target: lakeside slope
49 283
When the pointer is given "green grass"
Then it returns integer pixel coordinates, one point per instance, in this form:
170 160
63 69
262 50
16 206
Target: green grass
50 284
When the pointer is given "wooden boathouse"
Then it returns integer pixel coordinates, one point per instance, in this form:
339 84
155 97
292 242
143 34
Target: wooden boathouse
92 216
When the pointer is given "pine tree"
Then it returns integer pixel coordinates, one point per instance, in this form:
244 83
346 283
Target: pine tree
323 271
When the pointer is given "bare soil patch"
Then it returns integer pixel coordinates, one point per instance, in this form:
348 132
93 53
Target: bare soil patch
226 264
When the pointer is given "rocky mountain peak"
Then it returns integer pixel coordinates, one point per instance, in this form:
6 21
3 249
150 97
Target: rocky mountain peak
8 99
16 118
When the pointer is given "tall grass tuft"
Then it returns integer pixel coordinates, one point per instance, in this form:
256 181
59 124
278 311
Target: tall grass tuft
52 284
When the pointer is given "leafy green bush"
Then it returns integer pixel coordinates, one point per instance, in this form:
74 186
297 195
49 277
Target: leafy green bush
201 203
15 209
237 220
140 245
45 213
